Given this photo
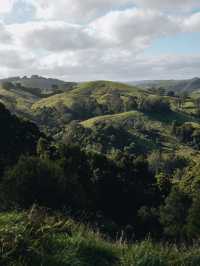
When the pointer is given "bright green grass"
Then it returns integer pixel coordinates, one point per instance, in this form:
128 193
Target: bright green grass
36 238
98 90
114 119
17 99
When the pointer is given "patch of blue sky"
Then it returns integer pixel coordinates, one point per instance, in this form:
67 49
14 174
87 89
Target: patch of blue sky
21 12
180 44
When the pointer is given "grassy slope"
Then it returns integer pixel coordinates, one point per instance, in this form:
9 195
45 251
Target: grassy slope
37 238
160 123
17 99
97 89
115 118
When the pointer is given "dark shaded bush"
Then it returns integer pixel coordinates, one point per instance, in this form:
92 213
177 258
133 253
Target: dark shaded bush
154 104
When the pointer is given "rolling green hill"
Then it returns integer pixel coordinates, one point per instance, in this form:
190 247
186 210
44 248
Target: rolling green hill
101 91
144 118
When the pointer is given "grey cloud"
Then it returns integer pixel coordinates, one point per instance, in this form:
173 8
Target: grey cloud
170 5
75 10
12 59
126 67
86 10
5 36
57 37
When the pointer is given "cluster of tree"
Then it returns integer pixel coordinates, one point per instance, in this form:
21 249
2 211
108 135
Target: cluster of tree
82 181
105 138
17 137
51 120
115 104
122 190
154 104
187 133
179 215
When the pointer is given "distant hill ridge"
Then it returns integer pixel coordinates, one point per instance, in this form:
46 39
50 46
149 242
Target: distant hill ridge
188 85
35 81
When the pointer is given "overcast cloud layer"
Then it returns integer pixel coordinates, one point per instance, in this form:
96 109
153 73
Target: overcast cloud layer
98 39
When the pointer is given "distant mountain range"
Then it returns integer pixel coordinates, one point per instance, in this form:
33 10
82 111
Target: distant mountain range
45 84
189 85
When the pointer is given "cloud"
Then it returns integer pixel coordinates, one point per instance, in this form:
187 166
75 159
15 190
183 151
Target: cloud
170 5
13 59
104 39
93 66
133 29
192 23
5 36
6 5
52 36
77 11
135 26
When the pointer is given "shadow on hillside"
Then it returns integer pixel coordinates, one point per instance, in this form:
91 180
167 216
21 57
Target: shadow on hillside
169 117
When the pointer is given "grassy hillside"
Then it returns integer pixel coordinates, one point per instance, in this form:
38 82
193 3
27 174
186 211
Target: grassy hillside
38 238
111 103
115 119
99 90
17 100
153 130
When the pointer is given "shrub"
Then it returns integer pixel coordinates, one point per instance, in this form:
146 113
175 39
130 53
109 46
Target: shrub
154 104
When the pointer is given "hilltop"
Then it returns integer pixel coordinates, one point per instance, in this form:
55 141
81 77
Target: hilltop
45 84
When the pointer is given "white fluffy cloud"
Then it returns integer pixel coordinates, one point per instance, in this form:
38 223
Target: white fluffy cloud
130 29
6 5
85 10
135 26
96 39
192 23
5 36
75 10
51 36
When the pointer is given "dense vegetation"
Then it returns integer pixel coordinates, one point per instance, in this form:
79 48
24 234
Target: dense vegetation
122 160
42 238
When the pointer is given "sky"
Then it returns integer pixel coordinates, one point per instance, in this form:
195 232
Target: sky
78 40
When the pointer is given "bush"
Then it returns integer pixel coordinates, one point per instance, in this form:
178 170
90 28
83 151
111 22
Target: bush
154 104
33 180
37 238
174 213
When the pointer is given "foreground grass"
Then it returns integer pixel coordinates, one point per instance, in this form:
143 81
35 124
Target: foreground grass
36 238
